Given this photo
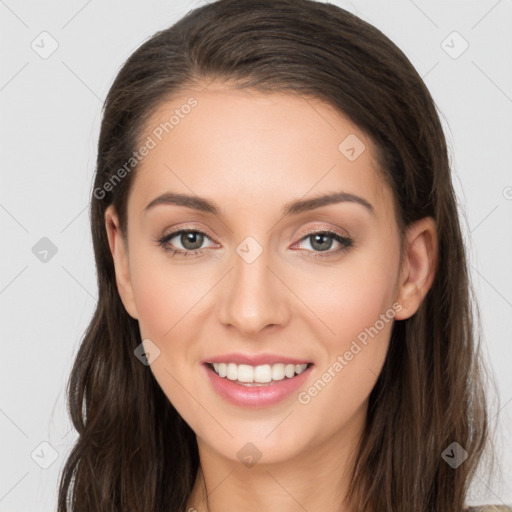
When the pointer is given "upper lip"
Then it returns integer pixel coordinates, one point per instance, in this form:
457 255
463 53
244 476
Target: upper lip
255 359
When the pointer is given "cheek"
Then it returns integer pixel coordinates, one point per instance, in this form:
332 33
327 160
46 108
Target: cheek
356 302
351 296
156 307
359 314
164 292
165 296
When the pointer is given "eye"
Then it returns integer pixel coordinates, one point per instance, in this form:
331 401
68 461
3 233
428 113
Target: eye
191 241
322 241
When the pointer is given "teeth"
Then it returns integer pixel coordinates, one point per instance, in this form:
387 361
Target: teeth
261 374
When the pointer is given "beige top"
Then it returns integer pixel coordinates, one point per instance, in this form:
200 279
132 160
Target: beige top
491 508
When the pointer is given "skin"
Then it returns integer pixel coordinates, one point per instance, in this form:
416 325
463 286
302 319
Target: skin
251 153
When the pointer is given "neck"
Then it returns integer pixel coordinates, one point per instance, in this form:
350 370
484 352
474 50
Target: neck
316 479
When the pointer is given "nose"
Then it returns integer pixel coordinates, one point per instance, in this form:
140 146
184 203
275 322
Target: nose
253 297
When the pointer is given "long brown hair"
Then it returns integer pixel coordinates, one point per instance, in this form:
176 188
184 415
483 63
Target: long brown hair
134 452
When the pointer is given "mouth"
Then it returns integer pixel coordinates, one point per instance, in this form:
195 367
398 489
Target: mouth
256 376
238 386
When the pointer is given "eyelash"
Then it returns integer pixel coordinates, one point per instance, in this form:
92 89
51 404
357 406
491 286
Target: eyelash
346 243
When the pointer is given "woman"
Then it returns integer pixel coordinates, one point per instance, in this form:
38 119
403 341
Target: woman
284 317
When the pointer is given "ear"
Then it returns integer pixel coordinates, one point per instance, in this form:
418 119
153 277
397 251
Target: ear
119 250
418 267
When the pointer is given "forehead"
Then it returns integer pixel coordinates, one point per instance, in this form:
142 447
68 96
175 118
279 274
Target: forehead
244 147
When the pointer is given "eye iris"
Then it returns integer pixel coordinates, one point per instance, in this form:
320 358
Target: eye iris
196 239
322 246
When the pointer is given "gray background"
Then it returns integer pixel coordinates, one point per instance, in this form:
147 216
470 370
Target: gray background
51 111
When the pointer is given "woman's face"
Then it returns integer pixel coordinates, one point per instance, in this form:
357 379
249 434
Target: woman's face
257 281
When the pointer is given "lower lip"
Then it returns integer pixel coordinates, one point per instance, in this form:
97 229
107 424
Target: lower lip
256 396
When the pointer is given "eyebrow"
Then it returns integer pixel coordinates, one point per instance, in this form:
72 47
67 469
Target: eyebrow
291 208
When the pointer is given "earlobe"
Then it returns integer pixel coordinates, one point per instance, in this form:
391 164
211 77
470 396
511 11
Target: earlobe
419 266
119 253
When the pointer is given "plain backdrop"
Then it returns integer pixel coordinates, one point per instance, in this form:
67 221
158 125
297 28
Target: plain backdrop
58 62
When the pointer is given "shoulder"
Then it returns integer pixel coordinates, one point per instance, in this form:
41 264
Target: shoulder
490 508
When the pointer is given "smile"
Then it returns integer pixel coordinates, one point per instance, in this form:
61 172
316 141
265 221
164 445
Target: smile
262 374
239 386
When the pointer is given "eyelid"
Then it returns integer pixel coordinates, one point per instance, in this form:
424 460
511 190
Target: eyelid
176 230
318 229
